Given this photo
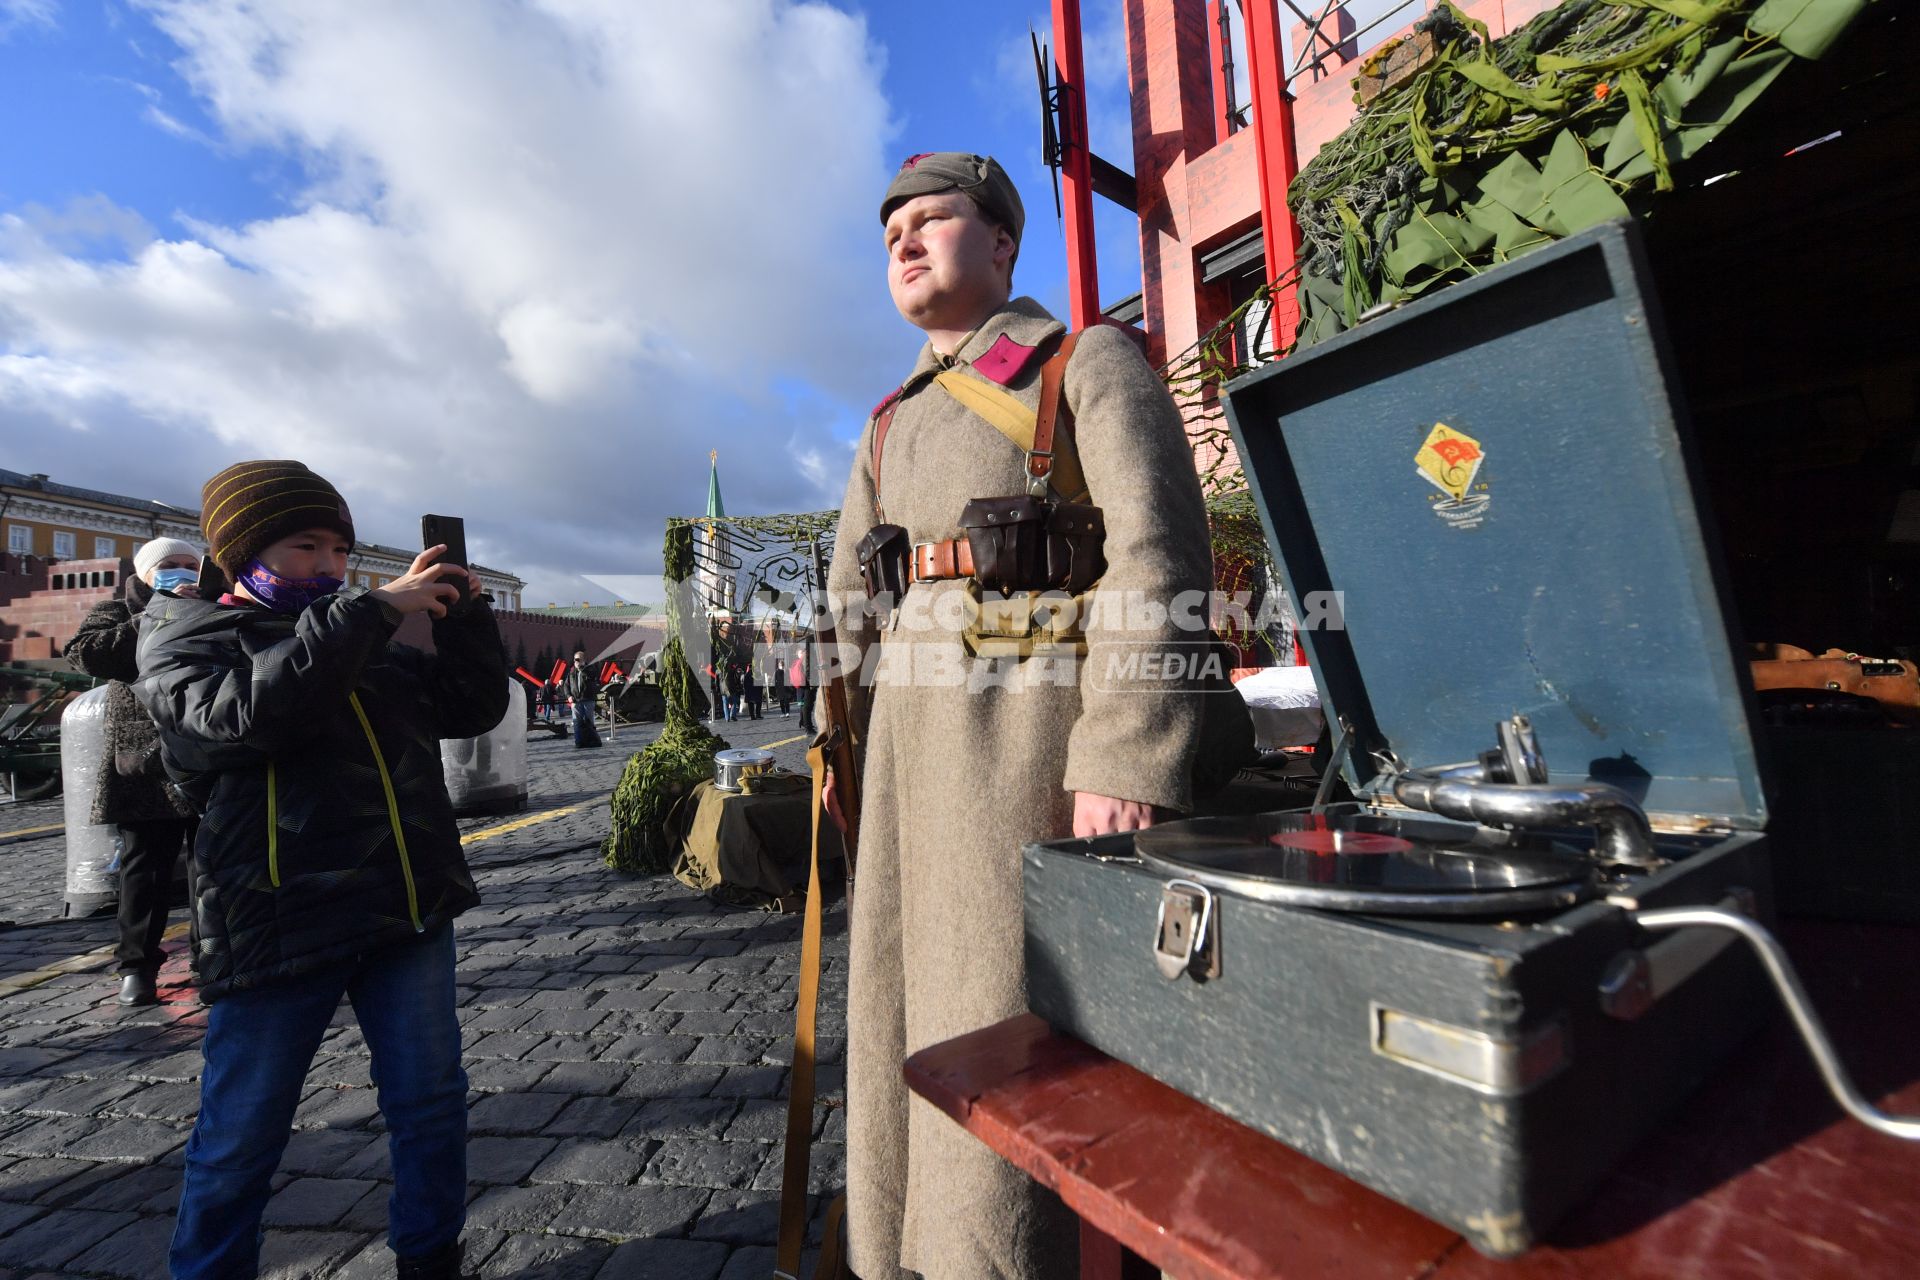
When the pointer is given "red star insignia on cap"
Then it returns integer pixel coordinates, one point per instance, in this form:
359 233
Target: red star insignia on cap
911 161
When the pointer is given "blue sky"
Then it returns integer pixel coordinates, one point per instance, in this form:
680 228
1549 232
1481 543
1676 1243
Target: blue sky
103 112
529 258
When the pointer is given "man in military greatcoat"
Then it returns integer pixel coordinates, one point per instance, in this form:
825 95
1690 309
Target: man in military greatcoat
968 757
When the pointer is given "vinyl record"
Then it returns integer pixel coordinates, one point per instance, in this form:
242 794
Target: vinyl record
1366 862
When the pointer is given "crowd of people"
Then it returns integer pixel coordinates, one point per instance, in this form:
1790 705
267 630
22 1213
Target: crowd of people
741 687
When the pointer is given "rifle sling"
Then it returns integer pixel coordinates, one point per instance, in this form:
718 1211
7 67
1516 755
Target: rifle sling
800 1092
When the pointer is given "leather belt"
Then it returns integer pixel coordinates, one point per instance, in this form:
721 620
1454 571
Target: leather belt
948 558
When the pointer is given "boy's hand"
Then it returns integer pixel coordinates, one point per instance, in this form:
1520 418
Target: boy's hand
421 589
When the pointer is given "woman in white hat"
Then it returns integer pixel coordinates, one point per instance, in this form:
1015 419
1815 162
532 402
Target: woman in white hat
134 793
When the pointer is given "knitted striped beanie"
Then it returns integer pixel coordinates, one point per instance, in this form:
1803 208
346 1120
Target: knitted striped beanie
252 505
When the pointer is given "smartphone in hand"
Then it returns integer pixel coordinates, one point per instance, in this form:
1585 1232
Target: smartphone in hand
213 582
452 532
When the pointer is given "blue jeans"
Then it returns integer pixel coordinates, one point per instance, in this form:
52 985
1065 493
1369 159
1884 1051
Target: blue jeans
259 1045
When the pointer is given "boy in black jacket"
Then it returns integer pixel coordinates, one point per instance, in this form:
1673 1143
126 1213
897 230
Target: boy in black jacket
329 864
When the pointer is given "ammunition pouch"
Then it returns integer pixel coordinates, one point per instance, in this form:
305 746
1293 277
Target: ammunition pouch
885 557
1024 544
1024 624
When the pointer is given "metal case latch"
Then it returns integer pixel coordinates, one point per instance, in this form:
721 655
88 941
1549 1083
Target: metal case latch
1183 936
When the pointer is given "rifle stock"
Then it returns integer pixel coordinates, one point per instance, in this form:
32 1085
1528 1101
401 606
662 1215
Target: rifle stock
841 752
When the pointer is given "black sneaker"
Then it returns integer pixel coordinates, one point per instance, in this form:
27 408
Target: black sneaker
441 1264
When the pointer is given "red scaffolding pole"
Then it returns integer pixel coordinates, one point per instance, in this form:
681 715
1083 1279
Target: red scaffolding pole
1076 170
1273 139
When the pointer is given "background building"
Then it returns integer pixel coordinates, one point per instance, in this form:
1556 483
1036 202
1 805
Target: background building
68 548
1210 166
52 521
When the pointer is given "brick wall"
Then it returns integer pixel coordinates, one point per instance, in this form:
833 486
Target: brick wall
604 637
35 624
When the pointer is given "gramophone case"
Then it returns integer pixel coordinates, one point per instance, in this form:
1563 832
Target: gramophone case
1493 484
1468 1071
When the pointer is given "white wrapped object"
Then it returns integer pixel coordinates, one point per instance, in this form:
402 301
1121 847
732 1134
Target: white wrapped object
93 849
488 774
1285 705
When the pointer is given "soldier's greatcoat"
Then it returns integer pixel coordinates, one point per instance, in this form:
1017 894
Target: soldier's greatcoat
965 764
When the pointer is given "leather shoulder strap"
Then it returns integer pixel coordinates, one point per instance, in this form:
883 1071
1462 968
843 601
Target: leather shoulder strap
1054 417
880 426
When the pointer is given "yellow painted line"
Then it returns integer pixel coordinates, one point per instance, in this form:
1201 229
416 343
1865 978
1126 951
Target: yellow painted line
787 742
99 957
519 823
32 831
102 956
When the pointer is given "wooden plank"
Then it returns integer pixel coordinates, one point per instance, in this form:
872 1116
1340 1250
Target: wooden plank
1393 64
1104 1258
1175 1182
1758 1177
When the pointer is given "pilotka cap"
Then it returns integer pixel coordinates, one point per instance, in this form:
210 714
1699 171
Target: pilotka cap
981 177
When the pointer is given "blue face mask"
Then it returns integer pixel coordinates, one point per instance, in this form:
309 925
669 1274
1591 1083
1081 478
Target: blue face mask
286 595
174 579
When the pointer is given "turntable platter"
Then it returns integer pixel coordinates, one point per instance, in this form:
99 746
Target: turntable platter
1366 862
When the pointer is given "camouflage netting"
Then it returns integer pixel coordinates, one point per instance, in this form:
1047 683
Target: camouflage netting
656 778
680 757
1492 149
1498 147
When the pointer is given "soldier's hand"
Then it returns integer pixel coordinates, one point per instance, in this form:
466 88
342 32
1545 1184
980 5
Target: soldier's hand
830 798
1102 815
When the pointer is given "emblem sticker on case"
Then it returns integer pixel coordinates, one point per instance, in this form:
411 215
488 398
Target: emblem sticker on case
1450 460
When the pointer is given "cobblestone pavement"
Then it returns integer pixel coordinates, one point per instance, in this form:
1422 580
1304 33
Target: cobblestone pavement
626 1042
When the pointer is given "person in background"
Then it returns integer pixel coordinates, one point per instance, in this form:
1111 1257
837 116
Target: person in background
736 688
134 794
797 676
330 862
782 691
753 690
583 687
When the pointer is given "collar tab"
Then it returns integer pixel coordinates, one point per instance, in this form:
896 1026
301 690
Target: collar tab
1004 361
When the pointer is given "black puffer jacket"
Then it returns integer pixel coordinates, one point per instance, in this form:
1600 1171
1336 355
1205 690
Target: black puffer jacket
310 745
133 784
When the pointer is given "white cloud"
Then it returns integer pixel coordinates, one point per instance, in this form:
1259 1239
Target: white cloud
27 13
160 119
550 253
